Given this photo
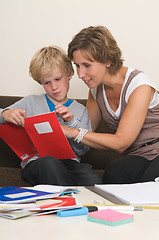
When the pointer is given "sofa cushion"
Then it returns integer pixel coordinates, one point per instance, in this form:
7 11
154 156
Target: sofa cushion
11 177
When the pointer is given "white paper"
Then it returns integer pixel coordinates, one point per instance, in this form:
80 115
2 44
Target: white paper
53 188
146 193
20 195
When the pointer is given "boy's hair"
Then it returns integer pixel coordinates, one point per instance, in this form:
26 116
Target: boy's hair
98 44
46 60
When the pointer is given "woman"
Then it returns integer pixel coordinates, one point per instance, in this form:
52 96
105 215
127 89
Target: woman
127 101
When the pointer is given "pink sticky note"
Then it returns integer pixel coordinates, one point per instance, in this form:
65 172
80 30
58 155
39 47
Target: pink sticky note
110 217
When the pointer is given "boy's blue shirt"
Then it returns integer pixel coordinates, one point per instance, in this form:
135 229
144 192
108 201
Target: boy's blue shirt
52 105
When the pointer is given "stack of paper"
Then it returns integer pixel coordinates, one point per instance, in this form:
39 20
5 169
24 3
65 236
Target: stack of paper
146 193
17 202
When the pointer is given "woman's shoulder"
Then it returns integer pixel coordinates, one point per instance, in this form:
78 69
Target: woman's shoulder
142 78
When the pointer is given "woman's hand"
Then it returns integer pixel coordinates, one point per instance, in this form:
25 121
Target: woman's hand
64 113
70 132
15 116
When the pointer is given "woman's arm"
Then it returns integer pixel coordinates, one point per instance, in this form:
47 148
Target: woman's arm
129 127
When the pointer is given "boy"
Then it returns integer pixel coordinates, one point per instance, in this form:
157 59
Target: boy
51 68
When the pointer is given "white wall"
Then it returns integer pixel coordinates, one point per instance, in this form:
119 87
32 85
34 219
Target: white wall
27 25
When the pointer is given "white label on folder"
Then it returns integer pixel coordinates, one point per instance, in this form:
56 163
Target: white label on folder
19 195
43 127
25 156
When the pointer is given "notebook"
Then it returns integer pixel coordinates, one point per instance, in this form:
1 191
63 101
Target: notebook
23 195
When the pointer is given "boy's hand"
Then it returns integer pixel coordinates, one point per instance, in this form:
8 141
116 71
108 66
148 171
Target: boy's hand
15 116
64 113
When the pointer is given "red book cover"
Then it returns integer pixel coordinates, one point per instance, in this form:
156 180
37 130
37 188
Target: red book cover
57 202
18 140
47 136
42 135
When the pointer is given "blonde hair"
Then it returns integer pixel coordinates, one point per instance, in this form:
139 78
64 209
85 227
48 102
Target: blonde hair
97 43
46 60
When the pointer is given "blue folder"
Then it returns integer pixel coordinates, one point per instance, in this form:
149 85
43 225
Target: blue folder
20 194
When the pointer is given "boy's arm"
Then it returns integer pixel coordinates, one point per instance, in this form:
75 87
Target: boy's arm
15 116
1 118
19 104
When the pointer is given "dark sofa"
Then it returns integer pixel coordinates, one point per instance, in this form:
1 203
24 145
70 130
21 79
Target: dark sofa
10 170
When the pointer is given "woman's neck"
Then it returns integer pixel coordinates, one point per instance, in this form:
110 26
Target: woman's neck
114 82
113 88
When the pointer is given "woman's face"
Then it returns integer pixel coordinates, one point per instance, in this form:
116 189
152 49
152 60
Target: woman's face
91 72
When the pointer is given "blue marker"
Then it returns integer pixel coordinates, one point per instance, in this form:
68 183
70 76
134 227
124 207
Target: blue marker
75 212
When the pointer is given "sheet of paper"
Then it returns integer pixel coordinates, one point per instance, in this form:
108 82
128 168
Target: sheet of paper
54 188
15 214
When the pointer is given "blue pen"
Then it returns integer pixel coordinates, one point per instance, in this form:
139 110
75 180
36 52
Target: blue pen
76 211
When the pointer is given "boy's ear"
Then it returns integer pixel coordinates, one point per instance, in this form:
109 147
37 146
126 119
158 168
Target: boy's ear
70 76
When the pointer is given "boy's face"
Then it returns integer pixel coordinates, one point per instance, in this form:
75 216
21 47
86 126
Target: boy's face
56 86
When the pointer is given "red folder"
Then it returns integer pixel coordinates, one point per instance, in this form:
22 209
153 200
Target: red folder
42 135
47 136
17 138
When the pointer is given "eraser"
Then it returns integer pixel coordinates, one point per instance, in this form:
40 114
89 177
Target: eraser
110 217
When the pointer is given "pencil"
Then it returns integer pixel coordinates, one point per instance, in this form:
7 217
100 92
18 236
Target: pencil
113 206
116 207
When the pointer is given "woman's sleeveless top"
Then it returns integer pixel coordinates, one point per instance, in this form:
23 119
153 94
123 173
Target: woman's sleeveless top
149 131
